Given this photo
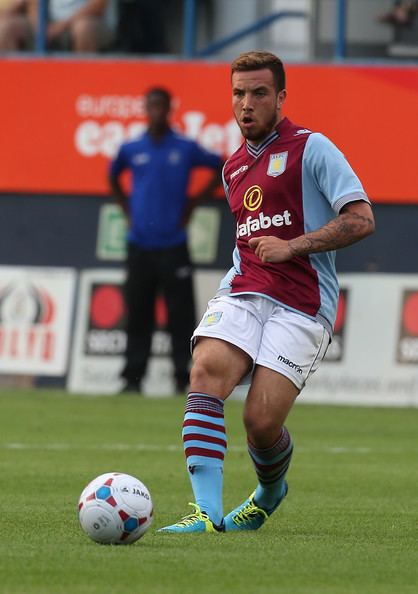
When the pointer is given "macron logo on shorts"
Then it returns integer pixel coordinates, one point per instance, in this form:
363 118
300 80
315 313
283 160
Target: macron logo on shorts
294 366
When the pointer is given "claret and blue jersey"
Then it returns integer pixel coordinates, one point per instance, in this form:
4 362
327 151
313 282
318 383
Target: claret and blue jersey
160 173
295 182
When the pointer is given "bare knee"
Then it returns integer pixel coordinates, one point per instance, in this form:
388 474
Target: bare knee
209 377
262 430
217 367
267 406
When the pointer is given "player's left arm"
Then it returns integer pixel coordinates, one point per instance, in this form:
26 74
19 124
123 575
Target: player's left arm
355 222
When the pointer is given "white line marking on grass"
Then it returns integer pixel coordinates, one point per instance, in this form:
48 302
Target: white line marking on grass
348 450
143 447
103 446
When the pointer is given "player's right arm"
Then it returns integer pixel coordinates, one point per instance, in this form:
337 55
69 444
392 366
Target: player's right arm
355 222
340 186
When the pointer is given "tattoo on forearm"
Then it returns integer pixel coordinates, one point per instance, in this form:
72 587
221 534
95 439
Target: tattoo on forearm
342 231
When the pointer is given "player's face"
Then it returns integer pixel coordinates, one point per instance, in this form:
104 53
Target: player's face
256 103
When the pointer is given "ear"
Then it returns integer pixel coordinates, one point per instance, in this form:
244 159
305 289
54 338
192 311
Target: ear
281 98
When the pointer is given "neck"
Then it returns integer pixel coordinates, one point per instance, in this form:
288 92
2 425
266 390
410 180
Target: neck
157 132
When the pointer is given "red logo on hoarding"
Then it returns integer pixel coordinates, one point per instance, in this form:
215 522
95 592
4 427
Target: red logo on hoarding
106 325
410 314
27 312
335 350
407 348
160 313
107 307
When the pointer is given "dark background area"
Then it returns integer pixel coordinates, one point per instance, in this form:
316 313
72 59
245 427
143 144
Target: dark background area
56 230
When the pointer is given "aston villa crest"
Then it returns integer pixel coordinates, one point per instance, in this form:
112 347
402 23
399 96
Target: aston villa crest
277 164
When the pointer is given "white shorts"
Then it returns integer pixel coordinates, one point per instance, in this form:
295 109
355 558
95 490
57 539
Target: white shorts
271 335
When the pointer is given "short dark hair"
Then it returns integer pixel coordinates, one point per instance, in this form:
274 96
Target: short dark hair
257 60
159 92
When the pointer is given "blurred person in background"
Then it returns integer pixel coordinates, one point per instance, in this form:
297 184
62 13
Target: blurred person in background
295 200
157 209
402 13
80 25
17 19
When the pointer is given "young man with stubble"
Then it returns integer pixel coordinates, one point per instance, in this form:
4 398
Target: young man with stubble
295 200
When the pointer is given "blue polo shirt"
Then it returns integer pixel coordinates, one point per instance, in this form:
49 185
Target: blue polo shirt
160 173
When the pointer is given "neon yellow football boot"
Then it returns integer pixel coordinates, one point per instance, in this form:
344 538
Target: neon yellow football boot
197 521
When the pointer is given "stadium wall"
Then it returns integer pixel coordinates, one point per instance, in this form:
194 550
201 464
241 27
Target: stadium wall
62 312
62 239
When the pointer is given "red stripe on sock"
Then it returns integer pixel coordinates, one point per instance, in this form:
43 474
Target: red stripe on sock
272 467
204 424
204 453
207 438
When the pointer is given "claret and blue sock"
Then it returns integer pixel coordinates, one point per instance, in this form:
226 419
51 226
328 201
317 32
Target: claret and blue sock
205 443
271 465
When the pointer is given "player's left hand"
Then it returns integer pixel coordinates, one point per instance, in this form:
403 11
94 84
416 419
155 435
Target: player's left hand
270 249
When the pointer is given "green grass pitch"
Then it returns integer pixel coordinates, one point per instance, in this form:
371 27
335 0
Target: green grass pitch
348 525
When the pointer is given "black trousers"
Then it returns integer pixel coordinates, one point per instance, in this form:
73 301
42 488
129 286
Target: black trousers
149 273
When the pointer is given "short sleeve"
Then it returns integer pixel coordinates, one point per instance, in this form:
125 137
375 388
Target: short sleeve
331 172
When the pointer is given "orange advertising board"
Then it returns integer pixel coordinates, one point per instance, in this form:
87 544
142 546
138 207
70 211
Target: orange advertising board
62 120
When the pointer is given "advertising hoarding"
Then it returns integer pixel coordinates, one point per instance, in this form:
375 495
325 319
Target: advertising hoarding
36 305
377 364
93 105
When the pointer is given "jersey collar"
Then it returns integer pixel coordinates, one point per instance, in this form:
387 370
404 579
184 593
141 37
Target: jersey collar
256 151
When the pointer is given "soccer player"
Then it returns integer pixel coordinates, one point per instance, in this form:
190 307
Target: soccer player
295 200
